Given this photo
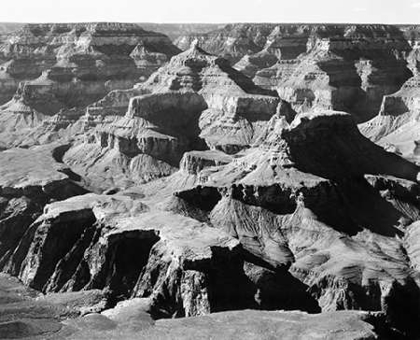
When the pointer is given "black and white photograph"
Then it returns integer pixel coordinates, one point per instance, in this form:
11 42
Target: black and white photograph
210 170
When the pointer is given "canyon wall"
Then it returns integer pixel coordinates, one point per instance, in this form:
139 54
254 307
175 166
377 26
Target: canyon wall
215 185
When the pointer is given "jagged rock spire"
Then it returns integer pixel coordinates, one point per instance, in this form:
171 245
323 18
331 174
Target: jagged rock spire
195 44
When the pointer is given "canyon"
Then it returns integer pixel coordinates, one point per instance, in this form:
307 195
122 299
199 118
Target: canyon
236 181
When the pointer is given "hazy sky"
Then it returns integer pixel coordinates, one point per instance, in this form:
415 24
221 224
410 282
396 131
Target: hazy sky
378 11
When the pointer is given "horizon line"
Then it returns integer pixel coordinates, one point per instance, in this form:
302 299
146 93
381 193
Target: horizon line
209 23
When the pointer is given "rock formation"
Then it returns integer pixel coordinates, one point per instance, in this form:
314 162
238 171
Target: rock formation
29 180
198 196
63 66
196 101
347 68
299 204
396 127
174 31
131 319
340 67
235 41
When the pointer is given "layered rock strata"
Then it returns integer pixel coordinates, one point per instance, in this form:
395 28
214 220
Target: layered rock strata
65 316
29 180
396 127
214 195
196 101
62 66
299 204
347 68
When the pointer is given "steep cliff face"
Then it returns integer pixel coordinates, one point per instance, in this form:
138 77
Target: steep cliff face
29 180
47 317
397 125
232 100
147 143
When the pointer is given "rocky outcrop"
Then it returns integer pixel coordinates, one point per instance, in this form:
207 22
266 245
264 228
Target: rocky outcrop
29 180
146 144
16 118
397 132
182 271
194 161
236 107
